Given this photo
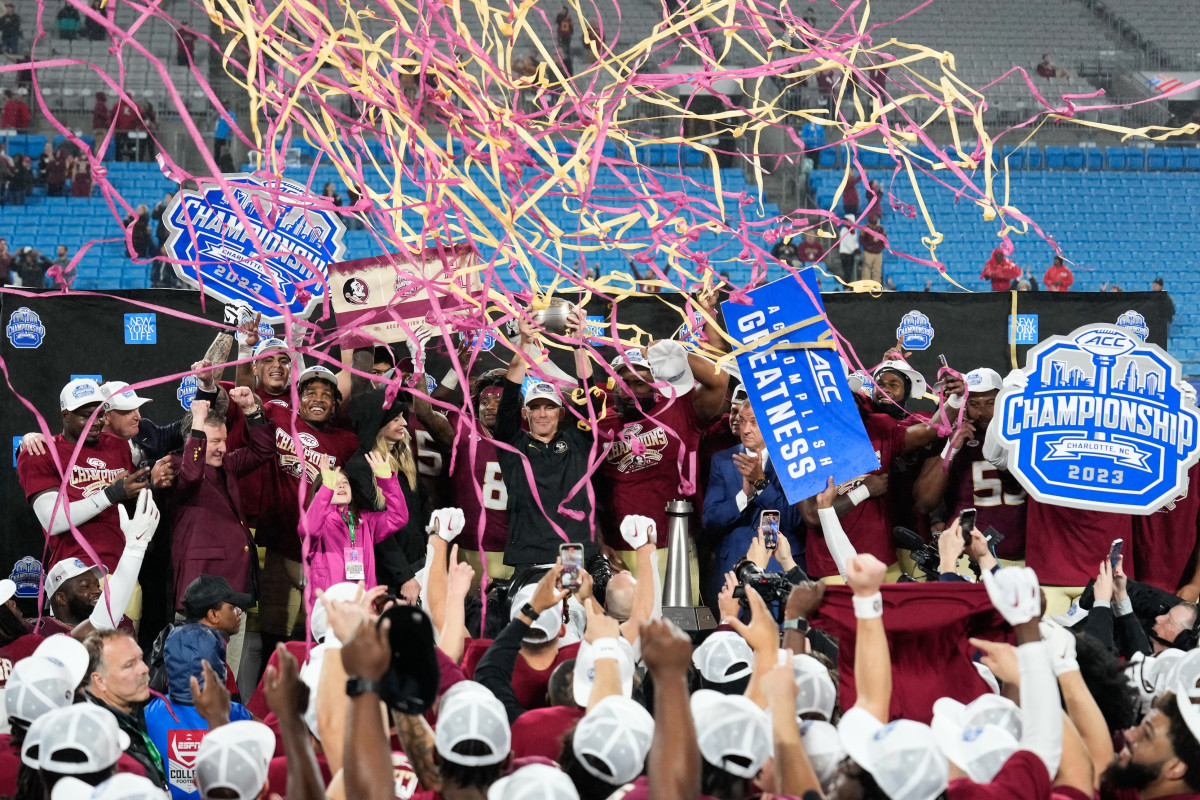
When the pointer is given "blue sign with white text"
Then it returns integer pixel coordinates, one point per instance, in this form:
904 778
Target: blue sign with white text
808 418
1102 423
285 242
141 328
1024 330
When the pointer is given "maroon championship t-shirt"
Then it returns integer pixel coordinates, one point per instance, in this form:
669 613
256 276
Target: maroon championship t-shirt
869 524
1023 777
93 471
1163 542
475 475
540 732
642 478
529 684
14 651
293 473
1066 545
250 484
997 496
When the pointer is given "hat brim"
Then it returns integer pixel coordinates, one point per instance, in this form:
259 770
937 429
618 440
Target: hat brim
69 652
856 729
138 402
8 590
242 600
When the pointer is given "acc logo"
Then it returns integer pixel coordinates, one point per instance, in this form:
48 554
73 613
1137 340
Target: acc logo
186 392
915 332
141 329
1135 323
355 291
96 463
309 441
1102 424
25 329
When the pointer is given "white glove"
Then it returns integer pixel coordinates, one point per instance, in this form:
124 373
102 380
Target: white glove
447 523
1015 593
1060 643
1016 379
139 529
637 531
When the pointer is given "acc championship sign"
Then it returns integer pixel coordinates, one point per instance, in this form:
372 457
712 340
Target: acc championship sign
1101 424
296 243
804 408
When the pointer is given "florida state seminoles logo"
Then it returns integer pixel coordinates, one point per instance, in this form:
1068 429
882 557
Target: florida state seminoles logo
355 291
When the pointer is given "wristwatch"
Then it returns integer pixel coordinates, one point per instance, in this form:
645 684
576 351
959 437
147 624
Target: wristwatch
357 686
799 624
529 611
760 484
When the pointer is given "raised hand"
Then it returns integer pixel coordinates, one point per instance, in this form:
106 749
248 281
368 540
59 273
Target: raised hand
139 529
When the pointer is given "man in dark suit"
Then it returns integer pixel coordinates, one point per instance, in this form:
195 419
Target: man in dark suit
742 484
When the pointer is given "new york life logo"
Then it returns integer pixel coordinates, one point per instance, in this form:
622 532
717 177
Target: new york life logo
915 332
25 329
1101 424
141 328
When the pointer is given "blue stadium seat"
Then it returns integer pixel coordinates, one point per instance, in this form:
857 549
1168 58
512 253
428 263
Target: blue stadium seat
670 155
869 158
828 157
694 157
1056 157
1015 156
1034 156
1174 158
652 154
1156 159
1135 158
1075 157
1115 157
1191 158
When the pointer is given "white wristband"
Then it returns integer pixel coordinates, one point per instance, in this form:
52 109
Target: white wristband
954 401
858 494
244 351
947 452
450 382
868 607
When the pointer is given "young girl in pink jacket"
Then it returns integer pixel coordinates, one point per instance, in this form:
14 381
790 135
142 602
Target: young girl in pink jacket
341 538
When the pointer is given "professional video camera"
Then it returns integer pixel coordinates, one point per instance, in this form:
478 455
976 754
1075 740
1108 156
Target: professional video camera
771 586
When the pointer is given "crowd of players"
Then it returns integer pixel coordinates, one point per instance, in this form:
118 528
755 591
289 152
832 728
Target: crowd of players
314 508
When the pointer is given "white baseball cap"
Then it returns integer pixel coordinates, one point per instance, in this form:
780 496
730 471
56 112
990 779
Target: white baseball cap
269 344
80 729
815 692
612 740
824 750
66 569
987 709
618 648
734 734
739 394
68 651
896 365
318 620
534 782
903 756
1185 675
8 590
235 756
723 657
118 397
980 736
631 359
983 380
1150 675
79 393
36 686
543 390
669 364
318 372
471 713
122 786
548 623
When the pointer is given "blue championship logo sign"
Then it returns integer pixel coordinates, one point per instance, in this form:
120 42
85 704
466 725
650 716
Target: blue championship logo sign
915 332
298 242
1102 423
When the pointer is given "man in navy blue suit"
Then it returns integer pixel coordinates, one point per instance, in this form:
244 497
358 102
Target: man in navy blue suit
742 484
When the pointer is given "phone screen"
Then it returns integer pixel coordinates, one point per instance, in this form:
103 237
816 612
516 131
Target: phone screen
966 521
572 565
768 524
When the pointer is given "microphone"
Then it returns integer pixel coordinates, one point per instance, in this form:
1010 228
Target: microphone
907 539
